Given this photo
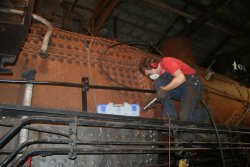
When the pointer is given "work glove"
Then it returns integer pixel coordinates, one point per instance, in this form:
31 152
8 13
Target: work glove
161 93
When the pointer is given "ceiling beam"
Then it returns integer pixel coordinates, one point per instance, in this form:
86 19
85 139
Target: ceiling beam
216 17
136 25
208 59
195 4
172 23
205 16
103 10
166 6
75 5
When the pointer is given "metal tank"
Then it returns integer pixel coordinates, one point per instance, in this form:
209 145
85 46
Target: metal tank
81 72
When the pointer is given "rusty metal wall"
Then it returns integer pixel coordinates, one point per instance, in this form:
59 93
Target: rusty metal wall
71 57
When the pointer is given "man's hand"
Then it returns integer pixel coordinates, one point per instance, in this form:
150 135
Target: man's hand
160 93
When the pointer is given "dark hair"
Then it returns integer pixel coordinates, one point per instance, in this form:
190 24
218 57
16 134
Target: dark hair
145 64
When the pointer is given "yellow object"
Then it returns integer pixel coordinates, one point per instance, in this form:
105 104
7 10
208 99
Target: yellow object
183 163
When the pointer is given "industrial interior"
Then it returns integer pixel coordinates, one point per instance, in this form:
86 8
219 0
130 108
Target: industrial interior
72 95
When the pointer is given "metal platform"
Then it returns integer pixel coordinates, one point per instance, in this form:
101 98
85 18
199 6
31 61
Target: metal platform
67 138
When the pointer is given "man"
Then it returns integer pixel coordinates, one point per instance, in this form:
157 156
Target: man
175 79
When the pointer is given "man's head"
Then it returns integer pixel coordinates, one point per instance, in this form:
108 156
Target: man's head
150 67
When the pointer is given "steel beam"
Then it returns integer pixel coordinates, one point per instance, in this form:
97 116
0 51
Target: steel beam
198 22
166 6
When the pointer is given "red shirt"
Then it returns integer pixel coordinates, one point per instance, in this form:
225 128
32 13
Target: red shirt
171 65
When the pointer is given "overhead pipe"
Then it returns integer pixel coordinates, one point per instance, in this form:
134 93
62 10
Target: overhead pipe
44 49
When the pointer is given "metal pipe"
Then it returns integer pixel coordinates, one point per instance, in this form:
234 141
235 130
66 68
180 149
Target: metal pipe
43 51
66 141
28 75
39 130
98 150
68 84
82 151
24 133
84 122
28 143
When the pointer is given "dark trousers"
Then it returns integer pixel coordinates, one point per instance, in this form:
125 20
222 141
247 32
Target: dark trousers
189 94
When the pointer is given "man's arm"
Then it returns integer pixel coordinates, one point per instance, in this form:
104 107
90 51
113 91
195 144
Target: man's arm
178 79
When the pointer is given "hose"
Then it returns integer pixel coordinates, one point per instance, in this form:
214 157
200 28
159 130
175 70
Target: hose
217 134
130 43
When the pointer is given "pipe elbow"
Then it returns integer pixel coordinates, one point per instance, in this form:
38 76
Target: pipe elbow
43 53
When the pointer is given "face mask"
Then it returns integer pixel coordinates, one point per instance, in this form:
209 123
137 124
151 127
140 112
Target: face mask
154 76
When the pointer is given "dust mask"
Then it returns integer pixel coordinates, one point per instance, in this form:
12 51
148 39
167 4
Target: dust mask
154 76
